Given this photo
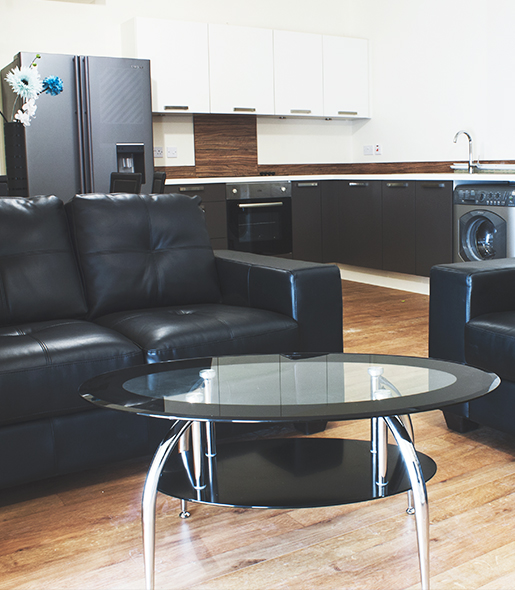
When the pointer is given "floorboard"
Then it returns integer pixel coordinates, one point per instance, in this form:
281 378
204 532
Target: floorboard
83 531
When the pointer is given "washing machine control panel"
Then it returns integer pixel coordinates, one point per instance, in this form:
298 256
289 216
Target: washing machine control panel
502 195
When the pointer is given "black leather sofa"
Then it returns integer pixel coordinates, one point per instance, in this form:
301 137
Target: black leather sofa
111 281
472 320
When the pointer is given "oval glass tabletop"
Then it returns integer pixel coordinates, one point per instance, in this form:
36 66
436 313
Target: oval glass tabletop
269 388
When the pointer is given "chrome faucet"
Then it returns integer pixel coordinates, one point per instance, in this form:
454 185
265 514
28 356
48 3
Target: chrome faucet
471 165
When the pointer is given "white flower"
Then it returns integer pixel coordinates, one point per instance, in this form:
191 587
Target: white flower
25 81
30 107
23 117
27 111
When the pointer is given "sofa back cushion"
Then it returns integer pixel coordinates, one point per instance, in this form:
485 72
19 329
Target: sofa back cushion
39 277
142 251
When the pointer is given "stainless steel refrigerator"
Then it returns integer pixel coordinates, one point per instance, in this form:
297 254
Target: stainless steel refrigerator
101 123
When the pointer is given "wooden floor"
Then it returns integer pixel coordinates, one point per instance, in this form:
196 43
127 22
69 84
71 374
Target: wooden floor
83 531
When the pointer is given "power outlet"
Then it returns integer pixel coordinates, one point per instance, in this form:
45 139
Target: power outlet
368 150
158 152
377 149
171 152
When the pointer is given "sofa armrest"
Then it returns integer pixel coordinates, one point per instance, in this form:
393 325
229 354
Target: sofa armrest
462 291
310 293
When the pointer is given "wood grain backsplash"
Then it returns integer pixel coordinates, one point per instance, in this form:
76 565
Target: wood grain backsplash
226 145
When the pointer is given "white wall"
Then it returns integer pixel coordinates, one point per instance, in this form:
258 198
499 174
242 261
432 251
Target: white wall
311 141
436 67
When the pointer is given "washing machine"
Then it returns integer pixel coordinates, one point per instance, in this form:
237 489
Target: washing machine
484 221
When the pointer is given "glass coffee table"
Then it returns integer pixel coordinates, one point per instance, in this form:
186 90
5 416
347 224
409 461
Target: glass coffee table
294 472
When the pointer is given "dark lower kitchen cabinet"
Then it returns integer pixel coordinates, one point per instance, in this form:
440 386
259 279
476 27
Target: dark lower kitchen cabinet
306 214
213 203
361 231
352 223
390 225
417 226
399 234
395 226
331 222
433 205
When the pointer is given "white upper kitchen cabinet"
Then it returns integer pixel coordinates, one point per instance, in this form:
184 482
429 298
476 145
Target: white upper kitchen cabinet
179 62
241 70
298 74
345 77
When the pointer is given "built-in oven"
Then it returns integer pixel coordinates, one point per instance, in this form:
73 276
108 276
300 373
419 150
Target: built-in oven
259 218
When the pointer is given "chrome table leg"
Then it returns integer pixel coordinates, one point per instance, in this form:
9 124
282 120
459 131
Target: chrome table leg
410 509
418 486
408 425
184 513
148 502
198 451
379 450
379 437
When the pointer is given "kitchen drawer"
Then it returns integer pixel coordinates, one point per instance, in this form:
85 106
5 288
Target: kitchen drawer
207 192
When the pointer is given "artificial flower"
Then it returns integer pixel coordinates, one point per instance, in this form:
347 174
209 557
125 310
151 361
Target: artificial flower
23 117
25 81
30 107
53 85
27 84
27 111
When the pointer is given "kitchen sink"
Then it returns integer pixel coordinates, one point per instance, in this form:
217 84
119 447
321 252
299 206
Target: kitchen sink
484 168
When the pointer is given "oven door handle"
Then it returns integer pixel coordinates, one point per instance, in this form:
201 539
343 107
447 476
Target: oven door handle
274 204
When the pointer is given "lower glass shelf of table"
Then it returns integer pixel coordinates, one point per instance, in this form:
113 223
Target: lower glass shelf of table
287 473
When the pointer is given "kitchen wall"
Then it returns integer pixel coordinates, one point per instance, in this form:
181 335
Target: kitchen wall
436 67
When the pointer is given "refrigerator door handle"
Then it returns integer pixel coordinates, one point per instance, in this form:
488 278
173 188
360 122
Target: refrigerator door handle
85 147
87 127
78 93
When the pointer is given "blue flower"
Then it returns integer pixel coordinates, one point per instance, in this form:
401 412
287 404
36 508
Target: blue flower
53 85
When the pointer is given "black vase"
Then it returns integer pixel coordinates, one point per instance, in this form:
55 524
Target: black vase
16 159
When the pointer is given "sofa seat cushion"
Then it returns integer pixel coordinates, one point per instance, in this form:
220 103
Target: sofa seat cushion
204 330
490 343
43 364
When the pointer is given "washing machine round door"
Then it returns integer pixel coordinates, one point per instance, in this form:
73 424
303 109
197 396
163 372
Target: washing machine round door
482 236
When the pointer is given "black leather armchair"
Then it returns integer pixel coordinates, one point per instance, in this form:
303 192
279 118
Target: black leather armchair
472 320
111 281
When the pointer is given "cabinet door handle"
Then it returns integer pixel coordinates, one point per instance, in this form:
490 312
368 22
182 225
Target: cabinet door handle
433 184
303 184
300 111
176 108
244 109
397 184
358 183
347 112
183 189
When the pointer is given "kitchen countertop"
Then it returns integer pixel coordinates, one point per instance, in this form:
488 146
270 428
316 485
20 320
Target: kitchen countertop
458 177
